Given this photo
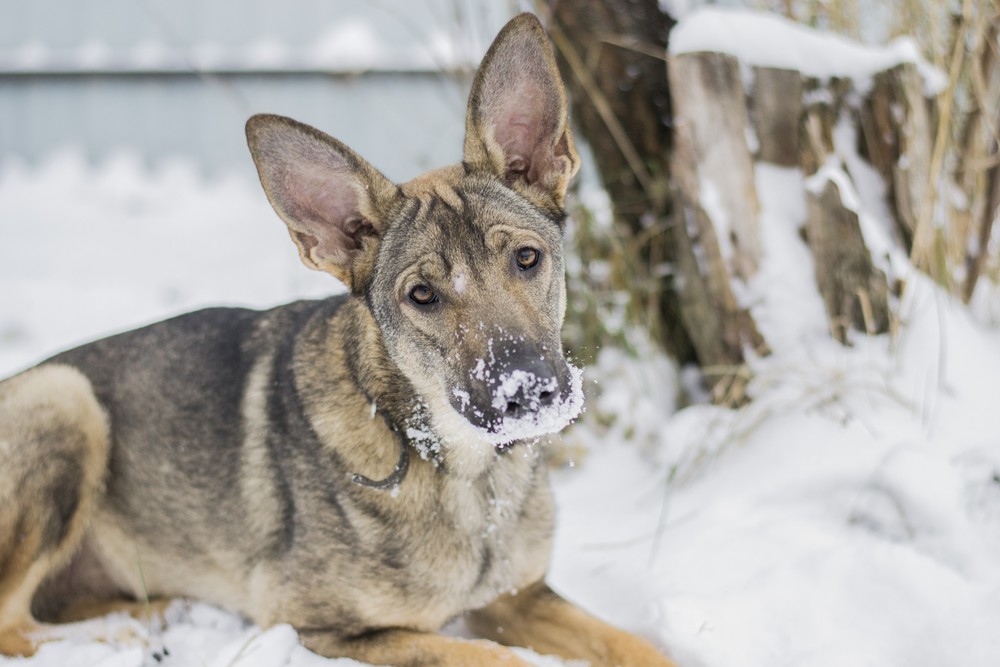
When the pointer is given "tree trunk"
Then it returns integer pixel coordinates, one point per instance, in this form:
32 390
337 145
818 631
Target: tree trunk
855 292
715 202
776 110
898 136
611 56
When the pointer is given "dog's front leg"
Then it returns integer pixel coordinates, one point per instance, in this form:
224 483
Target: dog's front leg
408 648
537 618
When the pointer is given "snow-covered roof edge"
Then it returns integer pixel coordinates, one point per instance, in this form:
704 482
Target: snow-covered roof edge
347 48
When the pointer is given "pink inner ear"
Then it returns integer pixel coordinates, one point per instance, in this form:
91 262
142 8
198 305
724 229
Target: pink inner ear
326 206
519 129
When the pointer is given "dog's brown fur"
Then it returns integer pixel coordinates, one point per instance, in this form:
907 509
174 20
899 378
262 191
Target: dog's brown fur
234 456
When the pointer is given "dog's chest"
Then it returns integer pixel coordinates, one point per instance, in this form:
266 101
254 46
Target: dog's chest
454 546
489 525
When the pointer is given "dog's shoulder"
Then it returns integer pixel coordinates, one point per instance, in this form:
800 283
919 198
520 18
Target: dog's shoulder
212 348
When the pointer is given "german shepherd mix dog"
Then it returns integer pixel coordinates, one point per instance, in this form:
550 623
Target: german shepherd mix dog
361 467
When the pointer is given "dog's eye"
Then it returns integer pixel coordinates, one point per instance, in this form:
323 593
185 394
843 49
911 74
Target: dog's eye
423 295
527 258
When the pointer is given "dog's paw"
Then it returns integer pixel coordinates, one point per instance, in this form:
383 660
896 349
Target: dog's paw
629 650
19 640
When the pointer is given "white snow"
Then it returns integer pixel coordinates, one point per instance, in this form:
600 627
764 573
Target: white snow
541 421
93 55
715 208
86 252
849 515
767 40
520 380
352 44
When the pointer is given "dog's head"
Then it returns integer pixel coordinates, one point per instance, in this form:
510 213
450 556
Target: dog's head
462 267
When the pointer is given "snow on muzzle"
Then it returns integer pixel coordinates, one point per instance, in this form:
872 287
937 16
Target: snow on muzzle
528 394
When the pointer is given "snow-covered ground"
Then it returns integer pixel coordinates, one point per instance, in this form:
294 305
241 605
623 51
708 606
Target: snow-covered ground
849 516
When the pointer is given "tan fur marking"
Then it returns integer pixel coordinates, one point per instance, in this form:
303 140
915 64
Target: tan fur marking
257 489
34 406
542 621
415 649
17 639
449 196
21 575
427 184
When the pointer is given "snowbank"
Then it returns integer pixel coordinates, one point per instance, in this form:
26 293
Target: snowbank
85 252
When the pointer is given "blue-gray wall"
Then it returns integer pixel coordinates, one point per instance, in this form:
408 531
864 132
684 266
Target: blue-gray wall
178 78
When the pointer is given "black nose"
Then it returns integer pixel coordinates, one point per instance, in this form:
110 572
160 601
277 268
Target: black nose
527 389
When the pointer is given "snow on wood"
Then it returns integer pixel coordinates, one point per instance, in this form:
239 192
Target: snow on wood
710 116
897 130
766 40
854 291
715 198
800 84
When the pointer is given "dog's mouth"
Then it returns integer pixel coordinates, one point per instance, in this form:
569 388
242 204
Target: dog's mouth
520 403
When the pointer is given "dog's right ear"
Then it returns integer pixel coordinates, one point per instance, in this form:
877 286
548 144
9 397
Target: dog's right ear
517 124
331 199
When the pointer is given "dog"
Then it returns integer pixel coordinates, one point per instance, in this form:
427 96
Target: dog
364 468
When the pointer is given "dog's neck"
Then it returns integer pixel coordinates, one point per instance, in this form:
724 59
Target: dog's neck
391 403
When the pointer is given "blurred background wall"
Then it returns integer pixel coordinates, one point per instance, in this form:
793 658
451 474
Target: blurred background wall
178 78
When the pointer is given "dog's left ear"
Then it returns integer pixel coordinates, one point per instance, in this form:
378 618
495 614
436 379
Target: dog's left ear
517 125
333 201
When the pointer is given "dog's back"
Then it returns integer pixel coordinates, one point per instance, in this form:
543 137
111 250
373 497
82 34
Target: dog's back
175 395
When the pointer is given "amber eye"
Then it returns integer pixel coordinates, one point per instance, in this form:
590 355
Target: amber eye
527 258
423 295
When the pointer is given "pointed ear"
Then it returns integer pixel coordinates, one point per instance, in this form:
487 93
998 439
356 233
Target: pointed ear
331 199
517 125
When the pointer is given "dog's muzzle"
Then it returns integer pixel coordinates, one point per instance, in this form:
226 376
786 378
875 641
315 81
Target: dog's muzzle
525 390
526 393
